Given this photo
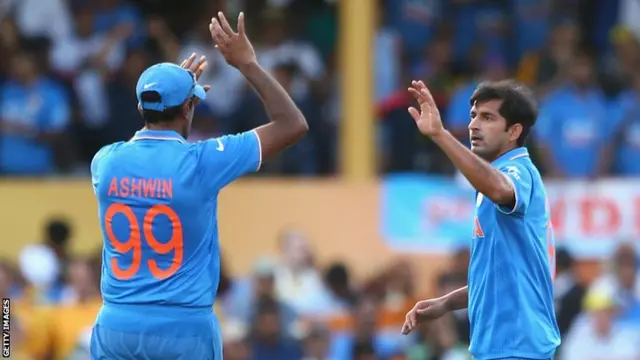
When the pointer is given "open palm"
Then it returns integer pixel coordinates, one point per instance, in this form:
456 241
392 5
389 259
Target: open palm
427 118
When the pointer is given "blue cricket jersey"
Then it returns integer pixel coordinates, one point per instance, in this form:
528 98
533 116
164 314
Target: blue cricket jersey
157 199
511 308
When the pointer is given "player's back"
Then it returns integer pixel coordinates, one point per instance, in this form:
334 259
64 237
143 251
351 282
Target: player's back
158 226
510 275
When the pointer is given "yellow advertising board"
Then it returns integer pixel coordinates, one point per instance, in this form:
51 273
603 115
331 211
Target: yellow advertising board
340 219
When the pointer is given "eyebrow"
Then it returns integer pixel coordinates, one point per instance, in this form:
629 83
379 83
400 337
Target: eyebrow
484 113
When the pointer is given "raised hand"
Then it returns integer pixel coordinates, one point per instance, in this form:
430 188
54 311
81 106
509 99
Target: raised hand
197 68
234 46
428 117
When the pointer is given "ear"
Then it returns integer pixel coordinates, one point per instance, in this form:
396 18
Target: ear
515 131
140 108
186 107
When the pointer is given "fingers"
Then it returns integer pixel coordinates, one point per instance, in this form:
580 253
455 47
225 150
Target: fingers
406 329
415 114
241 24
199 68
423 90
225 24
417 94
186 64
219 36
409 323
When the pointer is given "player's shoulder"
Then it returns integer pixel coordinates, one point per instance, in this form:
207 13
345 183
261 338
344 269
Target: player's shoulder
516 165
103 154
106 151
226 144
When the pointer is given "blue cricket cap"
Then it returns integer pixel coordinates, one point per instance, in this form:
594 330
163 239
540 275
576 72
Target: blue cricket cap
174 85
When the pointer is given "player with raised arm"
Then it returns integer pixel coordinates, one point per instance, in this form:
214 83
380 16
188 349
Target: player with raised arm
510 287
157 200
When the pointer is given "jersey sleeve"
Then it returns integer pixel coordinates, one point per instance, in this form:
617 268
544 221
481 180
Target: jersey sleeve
227 158
522 183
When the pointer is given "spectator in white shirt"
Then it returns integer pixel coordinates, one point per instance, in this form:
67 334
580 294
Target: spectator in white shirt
622 281
297 280
596 336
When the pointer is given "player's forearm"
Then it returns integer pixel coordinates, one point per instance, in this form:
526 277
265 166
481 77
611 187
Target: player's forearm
458 299
482 176
279 106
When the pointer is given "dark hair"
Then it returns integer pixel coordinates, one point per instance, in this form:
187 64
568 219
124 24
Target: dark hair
518 103
337 274
564 260
362 348
268 305
58 231
153 116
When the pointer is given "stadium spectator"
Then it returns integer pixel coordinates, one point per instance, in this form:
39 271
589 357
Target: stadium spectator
241 302
622 282
573 128
34 113
569 293
598 336
626 147
545 67
316 344
234 337
269 341
298 281
46 281
73 318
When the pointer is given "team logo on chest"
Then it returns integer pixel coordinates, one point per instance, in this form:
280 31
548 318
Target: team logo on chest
477 229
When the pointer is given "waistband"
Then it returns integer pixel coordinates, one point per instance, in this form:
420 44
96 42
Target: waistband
158 319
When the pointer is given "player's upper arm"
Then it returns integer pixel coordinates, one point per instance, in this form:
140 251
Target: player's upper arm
226 158
522 184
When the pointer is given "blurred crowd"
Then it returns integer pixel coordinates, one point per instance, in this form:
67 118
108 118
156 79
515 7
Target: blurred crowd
290 307
67 77
69 68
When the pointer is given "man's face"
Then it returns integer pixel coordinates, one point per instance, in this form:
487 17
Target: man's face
488 130
23 67
626 272
264 286
268 325
582 71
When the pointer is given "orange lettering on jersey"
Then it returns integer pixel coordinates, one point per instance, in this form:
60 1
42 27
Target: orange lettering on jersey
167 188
124 187
477 229
143 188
136 187
113 187
149 187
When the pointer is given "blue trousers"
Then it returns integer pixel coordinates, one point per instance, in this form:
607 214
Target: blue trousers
121 335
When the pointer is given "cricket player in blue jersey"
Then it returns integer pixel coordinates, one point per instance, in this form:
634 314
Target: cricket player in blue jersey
157 199
509 294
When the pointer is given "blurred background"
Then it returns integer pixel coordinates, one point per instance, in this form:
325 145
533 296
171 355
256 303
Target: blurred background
329 245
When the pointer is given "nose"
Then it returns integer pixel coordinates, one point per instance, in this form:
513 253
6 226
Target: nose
474 124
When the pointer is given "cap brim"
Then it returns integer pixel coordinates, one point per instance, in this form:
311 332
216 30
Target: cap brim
199 92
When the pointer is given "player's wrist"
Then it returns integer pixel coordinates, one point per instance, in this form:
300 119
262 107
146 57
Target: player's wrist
439 135
248 67
447 303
